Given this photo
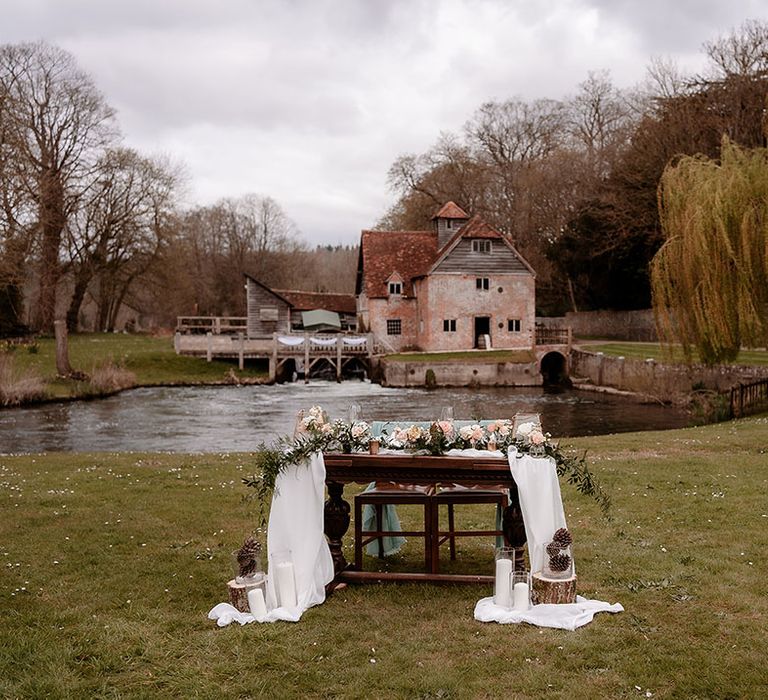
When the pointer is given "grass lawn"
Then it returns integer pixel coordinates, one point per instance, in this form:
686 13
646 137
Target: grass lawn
110 562
152 359
474 355
642 351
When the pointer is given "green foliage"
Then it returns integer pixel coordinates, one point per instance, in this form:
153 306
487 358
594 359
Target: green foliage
710 278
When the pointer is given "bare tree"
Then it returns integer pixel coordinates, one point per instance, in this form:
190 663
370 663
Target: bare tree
118 230
742 53
57 123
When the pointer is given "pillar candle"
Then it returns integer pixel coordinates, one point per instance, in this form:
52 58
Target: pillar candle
285 584
520 595
256 603
503 597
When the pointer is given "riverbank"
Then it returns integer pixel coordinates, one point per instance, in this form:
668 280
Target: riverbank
110 563
150 359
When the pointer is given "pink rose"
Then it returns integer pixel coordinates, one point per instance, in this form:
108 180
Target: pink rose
537 437
446 426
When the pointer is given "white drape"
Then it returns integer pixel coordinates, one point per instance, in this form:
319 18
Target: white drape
295 524
291 340
540 502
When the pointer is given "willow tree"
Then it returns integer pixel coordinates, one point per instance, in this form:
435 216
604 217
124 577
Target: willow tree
710 277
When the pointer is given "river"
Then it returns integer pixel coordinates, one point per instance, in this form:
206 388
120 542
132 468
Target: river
237 418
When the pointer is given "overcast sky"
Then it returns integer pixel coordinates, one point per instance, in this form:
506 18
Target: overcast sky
310 101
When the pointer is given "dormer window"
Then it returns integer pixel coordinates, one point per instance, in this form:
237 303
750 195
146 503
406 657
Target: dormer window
396 288
481 245
449 223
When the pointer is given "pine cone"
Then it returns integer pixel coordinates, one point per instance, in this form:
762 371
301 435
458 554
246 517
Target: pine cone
560 562
553 548
247 555
562 537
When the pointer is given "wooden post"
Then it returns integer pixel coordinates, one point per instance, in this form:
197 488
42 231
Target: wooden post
546 590
339 341
63 368
241 350
306 358
208 346
369 344
177 342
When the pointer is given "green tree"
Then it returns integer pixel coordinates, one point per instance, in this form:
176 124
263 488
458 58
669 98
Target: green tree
710 277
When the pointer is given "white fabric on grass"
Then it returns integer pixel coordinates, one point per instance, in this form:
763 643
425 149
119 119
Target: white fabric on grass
295 524
566 616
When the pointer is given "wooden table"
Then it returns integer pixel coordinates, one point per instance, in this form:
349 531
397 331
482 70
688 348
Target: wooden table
363 468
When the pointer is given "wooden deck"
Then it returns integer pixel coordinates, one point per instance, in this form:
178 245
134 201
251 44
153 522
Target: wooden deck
305 350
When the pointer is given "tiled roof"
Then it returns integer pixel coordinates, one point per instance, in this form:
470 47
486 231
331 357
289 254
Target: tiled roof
478 228
451 210
307 301
408 253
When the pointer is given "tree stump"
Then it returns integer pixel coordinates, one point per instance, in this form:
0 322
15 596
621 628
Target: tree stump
238 596
547 590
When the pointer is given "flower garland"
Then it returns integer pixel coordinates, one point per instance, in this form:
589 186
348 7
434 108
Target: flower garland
315 433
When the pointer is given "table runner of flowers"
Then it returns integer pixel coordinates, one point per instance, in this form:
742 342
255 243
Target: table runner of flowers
316 433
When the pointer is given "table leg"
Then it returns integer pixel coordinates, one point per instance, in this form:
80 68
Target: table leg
514 528
336 524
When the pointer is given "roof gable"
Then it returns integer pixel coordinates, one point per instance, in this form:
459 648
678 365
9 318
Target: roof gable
308 301
476 228
451 210
409 253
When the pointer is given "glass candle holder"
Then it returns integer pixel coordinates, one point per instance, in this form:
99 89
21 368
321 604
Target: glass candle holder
502 584
520 584
283 577
252 573
558 562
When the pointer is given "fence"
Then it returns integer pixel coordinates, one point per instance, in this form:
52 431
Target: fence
746 399
218 325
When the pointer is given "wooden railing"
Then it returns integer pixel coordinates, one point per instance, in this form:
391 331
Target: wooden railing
553 336
746 399
218 325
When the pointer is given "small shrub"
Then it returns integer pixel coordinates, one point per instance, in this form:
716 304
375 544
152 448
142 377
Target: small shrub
18 387
109 378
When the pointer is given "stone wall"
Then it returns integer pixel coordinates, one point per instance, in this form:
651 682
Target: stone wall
403 374
665 382
636 325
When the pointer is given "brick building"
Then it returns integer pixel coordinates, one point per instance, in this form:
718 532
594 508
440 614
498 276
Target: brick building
461 285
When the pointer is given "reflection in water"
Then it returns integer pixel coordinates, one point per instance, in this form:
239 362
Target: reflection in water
228 419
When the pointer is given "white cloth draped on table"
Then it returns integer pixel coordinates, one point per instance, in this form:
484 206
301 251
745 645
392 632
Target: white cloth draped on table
540 502
538 489
295 524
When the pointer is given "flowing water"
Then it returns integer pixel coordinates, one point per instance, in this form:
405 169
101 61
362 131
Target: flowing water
232 418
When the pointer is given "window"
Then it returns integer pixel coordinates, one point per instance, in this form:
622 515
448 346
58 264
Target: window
513 325
395 287
480 245
449 325
394 326
449 223
483 283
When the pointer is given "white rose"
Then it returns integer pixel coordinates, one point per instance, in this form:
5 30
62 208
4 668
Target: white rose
525 429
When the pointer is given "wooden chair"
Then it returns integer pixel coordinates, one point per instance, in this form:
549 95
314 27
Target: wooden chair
388 493
461 495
